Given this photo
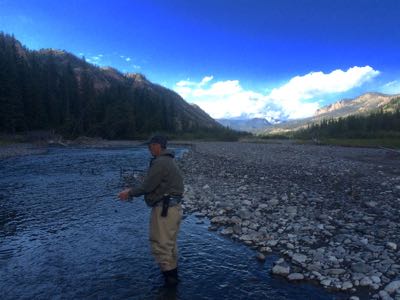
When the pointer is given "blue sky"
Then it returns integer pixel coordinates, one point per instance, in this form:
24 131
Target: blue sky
281 58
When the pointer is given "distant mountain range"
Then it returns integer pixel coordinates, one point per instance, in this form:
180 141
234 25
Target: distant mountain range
249 125
363 104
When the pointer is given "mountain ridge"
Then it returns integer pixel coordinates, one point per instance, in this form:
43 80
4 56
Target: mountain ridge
363 104
54 89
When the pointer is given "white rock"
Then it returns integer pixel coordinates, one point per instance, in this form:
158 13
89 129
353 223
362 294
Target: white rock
376 279
227 231
273 202
206 187
384 295
246 202
366 281
295 276
347 285
393 286
326 282
265 249
263 206
300 258
391 246
281 270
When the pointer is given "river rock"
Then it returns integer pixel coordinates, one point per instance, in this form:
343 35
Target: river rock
375 279
393 286
384 295
361 267
347 285
260 256
273 202
300 258
335 271
281 270
366 281
295 276
326 282
227 231
391 246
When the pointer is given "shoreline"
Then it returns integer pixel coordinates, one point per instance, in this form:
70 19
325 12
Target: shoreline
331 213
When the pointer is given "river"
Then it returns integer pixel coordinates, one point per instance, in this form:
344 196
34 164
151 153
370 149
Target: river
65 235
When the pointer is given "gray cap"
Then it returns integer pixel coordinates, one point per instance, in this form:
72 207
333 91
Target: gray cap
158 139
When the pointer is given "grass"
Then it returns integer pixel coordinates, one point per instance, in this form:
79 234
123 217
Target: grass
367 142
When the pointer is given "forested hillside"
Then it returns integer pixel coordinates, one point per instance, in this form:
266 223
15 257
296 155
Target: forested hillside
55 90
384 122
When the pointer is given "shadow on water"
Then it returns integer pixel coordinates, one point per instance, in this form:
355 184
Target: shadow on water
64 234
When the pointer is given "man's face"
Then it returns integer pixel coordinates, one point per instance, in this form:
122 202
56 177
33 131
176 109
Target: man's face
155 149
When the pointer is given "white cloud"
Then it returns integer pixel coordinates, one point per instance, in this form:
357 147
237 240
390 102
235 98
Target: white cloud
222 99
298 98
136 67
392 87
128 59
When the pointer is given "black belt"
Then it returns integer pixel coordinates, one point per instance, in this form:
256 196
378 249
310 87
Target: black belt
169 201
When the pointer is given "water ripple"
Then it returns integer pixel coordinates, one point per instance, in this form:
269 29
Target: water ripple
64 235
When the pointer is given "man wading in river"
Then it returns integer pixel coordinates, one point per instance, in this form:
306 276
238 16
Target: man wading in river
162 189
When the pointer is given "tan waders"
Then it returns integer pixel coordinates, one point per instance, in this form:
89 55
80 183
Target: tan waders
163 234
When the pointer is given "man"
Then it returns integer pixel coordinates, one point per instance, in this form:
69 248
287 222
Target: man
162 189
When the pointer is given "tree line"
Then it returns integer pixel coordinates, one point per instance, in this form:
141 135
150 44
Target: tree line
41 91
382 123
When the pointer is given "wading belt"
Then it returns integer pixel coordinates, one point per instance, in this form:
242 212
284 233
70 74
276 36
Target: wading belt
168 201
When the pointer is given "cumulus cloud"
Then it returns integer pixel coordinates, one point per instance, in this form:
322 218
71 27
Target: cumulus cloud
298 98
128 59
222 99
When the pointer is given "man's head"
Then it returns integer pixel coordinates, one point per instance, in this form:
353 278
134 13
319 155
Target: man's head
157 144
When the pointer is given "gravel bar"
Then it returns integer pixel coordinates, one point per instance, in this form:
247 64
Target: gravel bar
332 213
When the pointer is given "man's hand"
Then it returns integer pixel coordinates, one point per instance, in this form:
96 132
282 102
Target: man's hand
124 195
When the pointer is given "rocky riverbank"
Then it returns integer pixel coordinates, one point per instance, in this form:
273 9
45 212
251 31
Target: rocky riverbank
332 213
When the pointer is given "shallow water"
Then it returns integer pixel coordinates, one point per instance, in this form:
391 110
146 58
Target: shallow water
64 235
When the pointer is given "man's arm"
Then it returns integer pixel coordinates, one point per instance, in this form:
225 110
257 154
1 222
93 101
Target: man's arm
151 182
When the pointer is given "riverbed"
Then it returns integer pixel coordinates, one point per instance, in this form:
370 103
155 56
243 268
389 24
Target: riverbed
65 235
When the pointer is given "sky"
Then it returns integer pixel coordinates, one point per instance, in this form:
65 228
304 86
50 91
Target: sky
275 59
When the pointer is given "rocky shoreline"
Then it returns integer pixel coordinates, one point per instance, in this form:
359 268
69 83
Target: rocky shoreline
332 213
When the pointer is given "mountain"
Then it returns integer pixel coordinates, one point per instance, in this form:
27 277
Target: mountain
363 104
249 125
55 90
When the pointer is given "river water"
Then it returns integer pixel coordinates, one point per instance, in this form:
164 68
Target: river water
65 235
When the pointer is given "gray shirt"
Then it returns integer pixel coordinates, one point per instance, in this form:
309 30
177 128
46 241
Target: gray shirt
163 178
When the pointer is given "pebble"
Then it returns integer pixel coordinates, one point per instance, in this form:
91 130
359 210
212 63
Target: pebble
260 256
391 246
